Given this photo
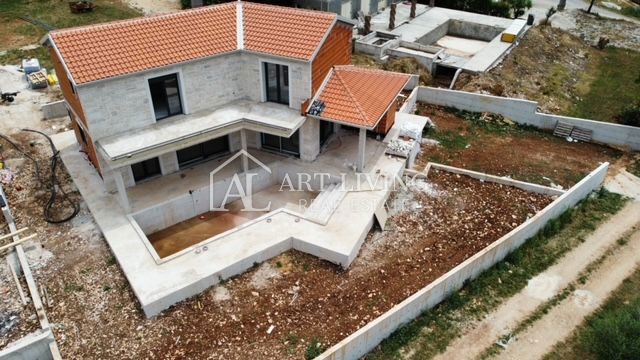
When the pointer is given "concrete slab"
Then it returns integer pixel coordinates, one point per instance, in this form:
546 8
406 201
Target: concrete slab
158 285
183 130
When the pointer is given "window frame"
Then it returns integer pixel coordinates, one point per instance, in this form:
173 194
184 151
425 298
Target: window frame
285 78
163 78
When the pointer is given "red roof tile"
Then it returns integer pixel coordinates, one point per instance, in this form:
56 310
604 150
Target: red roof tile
359 96
112 49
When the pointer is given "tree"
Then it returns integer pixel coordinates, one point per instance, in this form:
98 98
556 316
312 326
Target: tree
519 6
590 6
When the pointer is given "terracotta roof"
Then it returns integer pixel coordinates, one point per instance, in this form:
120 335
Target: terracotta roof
289 32
358 96
112 49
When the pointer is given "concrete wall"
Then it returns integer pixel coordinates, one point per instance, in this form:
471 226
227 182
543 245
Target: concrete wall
368 337
123 104
435 35
473 30
525 112
34 346
409 105
54 110
366 44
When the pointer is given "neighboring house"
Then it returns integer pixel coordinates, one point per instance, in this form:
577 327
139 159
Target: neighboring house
152 95
346 8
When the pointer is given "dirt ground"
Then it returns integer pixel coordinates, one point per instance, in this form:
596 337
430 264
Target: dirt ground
435 227
155 7
508 150
547 66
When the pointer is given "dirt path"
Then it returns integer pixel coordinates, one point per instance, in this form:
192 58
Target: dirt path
154 7
542 287
562 319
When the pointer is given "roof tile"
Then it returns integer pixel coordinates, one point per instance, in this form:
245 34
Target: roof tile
359 96
106 50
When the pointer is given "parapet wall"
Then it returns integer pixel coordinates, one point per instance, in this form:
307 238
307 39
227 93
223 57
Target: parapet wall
525 112
368 337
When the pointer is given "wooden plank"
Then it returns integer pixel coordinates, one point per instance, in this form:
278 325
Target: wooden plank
18 285
17 242
13 233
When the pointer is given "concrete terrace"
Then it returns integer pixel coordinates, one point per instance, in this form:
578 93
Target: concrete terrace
160 284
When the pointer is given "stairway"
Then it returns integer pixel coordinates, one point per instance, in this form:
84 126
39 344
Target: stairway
325 204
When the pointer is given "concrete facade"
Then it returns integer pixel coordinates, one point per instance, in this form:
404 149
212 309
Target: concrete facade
368 337
204 84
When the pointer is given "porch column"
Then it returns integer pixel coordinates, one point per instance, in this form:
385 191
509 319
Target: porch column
243 145
362 139
122 190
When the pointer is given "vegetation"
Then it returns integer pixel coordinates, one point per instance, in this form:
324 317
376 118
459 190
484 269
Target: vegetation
14 57
432 331
615 86
15 32
502 8
314 349
610 333
631 11
630 115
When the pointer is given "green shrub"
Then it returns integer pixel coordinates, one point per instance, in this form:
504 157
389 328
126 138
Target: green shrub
630 116
314 349
614 335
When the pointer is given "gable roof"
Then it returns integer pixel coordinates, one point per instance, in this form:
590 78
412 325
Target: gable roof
358 96
117 48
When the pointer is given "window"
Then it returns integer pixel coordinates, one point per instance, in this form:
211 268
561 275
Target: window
165 95
146 169
199 152
276 79
290 145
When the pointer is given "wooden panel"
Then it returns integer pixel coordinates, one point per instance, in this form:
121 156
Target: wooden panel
87 147
387 120
65 85
336 50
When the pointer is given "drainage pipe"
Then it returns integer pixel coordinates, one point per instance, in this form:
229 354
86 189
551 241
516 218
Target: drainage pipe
455 77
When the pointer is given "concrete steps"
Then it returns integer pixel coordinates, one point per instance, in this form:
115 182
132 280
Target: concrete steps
325 204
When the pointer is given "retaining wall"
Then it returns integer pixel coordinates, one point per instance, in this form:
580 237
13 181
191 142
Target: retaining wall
525 112
368 337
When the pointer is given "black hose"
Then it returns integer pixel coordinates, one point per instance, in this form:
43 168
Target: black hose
54 186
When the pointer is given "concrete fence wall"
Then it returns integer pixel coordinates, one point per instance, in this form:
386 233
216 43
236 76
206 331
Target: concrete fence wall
32 346
525 112
368 337
54 110
409 105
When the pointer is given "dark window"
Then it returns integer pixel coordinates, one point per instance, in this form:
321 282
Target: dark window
199 152
165 94
290 145
326 129
277 83
146 169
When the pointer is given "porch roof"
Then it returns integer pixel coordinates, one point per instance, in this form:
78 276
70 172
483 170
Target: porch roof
185 130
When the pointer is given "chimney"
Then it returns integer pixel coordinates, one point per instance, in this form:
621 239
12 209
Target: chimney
392 17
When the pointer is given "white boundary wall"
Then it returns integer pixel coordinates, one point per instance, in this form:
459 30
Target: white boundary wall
525 112
33 346
368 337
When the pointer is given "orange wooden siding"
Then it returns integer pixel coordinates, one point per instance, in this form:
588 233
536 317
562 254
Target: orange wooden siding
336 50
78 120
387 120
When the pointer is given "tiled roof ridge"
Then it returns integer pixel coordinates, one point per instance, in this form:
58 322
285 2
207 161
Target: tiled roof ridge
355 68
361 112
140 19
288 9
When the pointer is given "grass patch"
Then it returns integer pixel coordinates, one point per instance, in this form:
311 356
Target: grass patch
616 85
14 57
611 332
432 331
55 13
